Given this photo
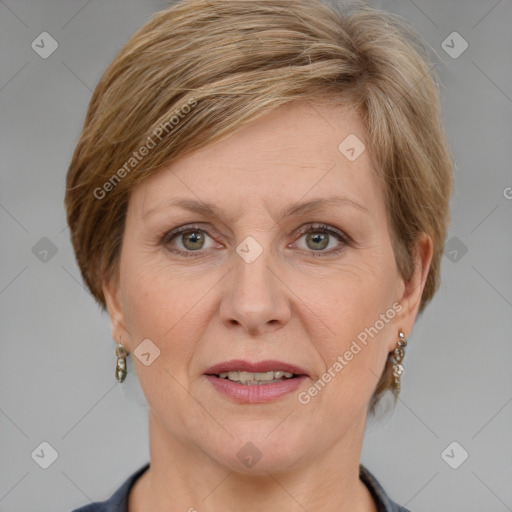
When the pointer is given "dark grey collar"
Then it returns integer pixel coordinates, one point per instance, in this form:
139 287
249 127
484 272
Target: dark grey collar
118 502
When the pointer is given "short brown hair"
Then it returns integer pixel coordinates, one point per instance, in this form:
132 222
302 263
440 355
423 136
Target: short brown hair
200 70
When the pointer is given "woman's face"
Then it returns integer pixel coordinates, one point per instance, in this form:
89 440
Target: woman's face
248 282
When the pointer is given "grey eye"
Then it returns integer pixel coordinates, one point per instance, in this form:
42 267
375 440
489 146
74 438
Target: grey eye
318 240
193 240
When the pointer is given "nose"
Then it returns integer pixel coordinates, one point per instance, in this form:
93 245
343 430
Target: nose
255 298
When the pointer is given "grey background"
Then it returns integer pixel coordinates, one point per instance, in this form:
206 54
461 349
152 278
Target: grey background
57 356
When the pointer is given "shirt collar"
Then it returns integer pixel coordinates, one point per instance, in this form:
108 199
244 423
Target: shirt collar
118 502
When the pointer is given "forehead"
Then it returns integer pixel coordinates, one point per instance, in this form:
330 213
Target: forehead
296 151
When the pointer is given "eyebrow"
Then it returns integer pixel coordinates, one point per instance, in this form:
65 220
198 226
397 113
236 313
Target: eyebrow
209 209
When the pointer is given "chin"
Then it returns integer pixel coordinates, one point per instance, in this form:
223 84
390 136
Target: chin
262 453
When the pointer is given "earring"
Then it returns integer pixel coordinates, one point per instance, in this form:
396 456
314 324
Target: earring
398 355
121 354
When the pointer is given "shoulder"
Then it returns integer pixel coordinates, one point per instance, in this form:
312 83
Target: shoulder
118 501
384 502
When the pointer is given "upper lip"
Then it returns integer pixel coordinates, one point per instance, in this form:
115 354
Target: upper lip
255 367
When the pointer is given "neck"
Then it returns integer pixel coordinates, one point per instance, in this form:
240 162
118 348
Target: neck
183 478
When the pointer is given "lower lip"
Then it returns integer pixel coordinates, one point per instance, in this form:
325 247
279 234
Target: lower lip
255 393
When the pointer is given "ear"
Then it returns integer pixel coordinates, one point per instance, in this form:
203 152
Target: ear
112 295
413 289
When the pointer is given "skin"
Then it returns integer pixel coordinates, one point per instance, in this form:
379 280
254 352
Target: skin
285 305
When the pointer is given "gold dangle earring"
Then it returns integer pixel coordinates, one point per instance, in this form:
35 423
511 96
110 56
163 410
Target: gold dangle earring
121 354
398 367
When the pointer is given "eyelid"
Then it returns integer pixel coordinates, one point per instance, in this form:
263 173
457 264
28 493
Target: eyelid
207 228
311 226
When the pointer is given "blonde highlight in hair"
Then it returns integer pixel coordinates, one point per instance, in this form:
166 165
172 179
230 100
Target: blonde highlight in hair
232 61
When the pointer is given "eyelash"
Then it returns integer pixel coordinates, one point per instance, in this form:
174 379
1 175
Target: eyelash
312 228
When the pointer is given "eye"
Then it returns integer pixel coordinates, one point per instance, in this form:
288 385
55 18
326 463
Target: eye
319 237
192 240
188 239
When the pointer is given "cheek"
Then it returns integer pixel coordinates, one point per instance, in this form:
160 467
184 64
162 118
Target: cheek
352 315
358 310
151 299
145 300
164 307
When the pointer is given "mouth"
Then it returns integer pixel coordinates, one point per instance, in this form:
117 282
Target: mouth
256 373
255 382
259 378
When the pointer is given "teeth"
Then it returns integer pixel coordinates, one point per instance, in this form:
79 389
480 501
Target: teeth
256 378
